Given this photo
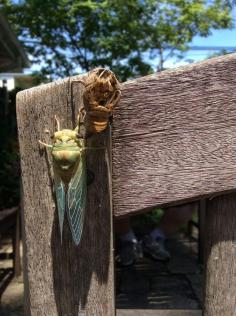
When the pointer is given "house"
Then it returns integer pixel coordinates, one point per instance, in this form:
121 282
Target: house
12 56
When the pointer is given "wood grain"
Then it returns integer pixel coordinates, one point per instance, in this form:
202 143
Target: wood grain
62 279
174 136
220 269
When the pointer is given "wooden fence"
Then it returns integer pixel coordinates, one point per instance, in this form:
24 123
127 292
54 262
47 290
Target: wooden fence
173 140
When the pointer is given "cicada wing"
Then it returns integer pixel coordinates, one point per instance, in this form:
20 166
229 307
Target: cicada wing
76 200
61 199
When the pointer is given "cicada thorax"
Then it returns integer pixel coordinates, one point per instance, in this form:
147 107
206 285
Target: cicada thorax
66 153
101 95
97 117
64 166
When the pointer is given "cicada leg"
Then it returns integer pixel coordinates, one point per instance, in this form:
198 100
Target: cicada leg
57 122
80 117
80 121
114 100
94 148
103 71
44 144
47 132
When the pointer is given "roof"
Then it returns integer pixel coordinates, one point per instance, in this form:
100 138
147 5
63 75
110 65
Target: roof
12 55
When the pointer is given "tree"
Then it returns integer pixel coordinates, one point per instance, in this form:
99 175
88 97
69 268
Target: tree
64 37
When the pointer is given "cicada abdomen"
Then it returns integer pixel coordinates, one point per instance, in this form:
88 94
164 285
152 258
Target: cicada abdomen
101 94
69 165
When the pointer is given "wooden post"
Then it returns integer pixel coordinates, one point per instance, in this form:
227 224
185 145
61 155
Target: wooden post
16 245
220 272
62 279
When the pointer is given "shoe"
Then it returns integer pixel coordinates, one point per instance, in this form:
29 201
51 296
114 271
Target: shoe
128 252
155 249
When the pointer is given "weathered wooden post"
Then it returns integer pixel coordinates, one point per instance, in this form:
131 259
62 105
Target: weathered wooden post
220 270
61 278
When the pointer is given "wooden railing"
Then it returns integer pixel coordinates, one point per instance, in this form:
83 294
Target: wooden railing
173 140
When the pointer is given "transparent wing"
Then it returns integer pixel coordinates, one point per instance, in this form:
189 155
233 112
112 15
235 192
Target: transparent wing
61 200
76 200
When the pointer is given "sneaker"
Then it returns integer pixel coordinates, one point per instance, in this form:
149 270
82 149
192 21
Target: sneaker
128 252
155 249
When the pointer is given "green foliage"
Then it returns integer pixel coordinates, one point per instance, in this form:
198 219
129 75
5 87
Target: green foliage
65 36
144 223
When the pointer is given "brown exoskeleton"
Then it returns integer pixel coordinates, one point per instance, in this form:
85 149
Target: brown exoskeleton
102 93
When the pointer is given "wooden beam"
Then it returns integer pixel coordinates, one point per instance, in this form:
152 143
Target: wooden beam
174 136
220 267
62 279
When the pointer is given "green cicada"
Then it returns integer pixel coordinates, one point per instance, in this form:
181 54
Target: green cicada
70 184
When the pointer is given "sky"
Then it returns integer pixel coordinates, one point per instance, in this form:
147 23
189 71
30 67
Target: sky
219 38
222 38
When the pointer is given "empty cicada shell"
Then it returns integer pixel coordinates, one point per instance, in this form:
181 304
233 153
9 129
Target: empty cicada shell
101 94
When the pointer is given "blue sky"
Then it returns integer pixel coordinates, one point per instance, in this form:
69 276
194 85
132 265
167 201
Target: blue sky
222 38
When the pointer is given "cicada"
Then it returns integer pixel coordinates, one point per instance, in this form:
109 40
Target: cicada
101 94
69 166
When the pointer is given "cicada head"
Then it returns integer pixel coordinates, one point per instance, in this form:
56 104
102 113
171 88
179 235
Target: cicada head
101 85
66 151
102 91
